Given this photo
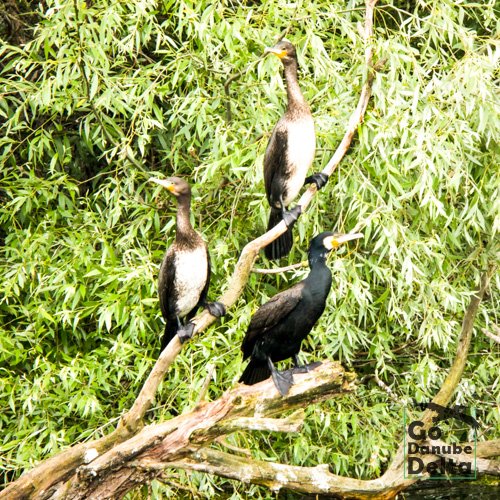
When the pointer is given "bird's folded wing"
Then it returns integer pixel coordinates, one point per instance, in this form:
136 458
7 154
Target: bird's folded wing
274 311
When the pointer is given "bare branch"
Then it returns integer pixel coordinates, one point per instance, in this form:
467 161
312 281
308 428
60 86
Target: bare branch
277 270
491 335
394 472
244 407
455 374
312 480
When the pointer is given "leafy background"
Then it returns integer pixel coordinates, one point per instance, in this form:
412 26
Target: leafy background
101 96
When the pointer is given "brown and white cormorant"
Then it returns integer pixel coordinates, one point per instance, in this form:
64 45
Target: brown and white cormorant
289 154
185 271
278 328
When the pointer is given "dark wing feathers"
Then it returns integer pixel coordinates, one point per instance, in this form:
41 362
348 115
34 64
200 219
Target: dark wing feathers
204 292
275 162
271 313
166 280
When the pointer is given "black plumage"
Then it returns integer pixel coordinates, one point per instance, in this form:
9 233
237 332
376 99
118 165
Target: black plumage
278 328
184 276
289 154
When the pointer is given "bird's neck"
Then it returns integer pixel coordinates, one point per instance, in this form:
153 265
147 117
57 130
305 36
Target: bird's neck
184 228
294 94
318 267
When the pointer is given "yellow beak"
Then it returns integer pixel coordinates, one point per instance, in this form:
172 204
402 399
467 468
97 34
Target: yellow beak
337 240
278 53
164 183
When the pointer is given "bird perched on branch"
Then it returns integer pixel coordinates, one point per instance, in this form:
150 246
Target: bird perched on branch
278 328
185 271
289 154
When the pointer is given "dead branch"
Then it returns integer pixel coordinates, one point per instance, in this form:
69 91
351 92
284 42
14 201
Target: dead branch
243 408
312 480
491 335
319 480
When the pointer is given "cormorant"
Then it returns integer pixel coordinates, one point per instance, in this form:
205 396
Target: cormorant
278 328
289 154
185 271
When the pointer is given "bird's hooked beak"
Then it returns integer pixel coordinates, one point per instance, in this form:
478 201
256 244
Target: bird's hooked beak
281 53
339 239
167 184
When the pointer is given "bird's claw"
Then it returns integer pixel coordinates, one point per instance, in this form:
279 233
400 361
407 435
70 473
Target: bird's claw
320 179
291 216
185 332
217 309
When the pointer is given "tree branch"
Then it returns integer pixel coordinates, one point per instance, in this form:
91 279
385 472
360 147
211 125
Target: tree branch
242 408
491 335
395 472
311 480
277 270
319 480
455 374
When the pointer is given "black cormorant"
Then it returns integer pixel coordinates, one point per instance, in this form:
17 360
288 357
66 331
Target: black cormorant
278 327
289 154
185 271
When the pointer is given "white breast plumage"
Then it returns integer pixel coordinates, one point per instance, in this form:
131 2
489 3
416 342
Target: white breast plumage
190 277
300 154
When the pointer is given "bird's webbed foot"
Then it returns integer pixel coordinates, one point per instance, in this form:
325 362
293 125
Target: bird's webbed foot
282 380
320 179
298 368
185 332
217 309
291 216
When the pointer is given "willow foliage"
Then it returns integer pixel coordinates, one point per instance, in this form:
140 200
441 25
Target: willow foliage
107 94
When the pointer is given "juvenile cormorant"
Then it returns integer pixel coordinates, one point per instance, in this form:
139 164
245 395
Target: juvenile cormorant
278 328
185 271
289 154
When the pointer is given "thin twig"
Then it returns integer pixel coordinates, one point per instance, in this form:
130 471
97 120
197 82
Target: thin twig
276 270
492 336
385 387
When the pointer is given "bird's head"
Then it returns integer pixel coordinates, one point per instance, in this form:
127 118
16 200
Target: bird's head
176 185
327 241
284 50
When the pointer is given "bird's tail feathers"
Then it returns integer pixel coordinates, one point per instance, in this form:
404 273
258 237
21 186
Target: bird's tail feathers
255 372
281 246
170 332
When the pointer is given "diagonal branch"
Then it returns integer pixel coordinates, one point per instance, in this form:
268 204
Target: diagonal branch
395 471
319 480
455 374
